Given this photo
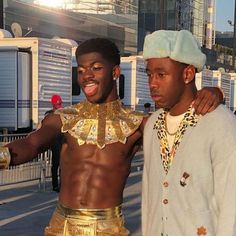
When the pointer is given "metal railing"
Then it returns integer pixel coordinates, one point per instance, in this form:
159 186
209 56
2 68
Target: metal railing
37 169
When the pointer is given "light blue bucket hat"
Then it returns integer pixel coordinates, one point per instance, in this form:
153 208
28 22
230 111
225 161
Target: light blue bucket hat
180 46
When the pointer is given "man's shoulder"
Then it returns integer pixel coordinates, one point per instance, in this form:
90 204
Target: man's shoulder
49 112
221 115
153 117
68 110
151 120
221 122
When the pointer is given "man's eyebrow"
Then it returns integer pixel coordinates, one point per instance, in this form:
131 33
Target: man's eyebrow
156 69
92 63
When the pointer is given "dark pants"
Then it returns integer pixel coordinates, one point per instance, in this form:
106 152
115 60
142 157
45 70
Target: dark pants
55 171
55 165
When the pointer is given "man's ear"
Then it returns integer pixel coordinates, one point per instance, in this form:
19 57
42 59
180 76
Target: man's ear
189 74
116 71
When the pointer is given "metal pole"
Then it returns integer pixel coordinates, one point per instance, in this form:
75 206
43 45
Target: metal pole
234 37
1 15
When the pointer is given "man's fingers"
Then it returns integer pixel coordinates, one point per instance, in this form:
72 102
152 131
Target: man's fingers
202 104
206 105
206 100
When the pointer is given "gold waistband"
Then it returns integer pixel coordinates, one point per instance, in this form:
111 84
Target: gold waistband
90 214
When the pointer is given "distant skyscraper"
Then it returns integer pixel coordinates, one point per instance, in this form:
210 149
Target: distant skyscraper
197 16
78 20
120 12
210 24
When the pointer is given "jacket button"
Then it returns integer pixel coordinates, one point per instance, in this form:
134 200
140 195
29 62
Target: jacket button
165 201
165 184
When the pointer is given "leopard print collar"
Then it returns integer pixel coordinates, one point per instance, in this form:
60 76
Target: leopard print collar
167 153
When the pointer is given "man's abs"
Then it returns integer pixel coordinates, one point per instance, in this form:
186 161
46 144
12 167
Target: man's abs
93 179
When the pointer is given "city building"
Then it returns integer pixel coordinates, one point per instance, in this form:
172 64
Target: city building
211 78
219 78
228 84
197 16
224 38
126 22
77 20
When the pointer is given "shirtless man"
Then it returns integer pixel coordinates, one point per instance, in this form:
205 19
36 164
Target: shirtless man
100 140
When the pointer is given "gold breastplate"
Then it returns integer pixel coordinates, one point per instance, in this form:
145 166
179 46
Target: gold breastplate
99 124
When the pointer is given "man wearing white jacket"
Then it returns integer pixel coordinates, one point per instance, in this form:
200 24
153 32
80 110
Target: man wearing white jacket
189 178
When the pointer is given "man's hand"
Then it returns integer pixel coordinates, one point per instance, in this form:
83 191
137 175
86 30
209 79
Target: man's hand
207 100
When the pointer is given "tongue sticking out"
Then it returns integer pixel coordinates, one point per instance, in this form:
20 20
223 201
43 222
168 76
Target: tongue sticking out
91 90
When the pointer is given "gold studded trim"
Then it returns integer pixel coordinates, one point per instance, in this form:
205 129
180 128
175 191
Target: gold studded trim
99 124
5 158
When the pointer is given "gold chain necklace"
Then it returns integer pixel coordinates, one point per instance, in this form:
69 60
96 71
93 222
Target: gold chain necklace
166 128
167 155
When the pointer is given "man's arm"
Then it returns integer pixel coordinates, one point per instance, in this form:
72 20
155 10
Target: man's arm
208 99
24 150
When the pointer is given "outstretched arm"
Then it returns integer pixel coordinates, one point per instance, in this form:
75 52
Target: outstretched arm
208 99
26 149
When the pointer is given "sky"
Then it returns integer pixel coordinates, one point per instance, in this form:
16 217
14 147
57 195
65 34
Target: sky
224 12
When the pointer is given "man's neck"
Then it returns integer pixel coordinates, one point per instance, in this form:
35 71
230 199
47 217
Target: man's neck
186 100
180 108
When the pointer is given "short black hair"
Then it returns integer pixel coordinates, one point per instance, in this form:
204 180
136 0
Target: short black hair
104 46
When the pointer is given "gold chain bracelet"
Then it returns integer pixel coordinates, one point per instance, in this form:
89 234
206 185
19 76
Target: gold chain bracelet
5 157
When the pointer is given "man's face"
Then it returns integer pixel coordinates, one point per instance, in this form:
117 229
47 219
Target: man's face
95 77
166 81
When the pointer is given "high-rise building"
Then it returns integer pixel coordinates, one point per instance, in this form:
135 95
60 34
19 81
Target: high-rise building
197 16
210 24
77 20
120 12
126 22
